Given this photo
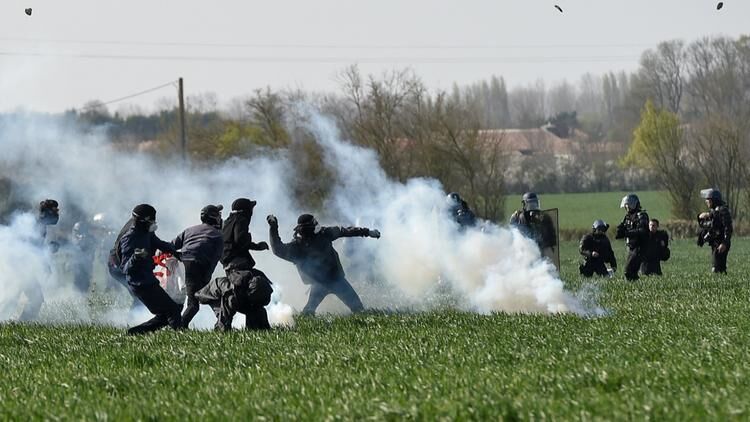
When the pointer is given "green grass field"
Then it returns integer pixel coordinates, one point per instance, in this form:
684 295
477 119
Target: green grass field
579 210
674 348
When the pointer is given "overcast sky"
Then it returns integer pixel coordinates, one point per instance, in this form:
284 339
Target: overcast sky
71 51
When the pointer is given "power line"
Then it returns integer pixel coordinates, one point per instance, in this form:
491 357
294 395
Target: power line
325 46
127 97
335 59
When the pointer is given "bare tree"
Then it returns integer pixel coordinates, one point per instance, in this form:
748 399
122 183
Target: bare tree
663 70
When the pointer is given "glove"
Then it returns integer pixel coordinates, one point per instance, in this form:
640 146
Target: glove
141 253
374 234
263 246
272 221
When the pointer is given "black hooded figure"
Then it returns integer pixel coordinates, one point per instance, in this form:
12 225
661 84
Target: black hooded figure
634 229
716 229
49 215
136 250
245 289
311 251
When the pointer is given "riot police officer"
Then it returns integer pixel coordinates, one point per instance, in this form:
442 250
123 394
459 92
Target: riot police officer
597 251
716 229
634 229
460 211
532 222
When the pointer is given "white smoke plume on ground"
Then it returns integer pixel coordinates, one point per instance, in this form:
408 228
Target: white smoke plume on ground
489 270
421 254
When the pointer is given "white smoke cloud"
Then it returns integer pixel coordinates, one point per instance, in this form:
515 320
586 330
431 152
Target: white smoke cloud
421 253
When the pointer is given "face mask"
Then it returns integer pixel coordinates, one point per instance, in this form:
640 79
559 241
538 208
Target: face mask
153 227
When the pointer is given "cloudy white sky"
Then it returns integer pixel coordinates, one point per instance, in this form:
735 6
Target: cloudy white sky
72 51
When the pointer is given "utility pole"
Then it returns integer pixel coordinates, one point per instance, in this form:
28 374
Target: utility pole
183 136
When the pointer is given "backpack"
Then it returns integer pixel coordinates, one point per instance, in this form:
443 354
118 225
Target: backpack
253 285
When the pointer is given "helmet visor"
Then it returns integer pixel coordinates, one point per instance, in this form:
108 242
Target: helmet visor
532 205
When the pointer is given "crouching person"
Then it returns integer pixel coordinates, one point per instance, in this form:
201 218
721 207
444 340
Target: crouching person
136 248
597 251
311 251
243 291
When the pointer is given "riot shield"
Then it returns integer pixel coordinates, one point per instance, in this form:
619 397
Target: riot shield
551 236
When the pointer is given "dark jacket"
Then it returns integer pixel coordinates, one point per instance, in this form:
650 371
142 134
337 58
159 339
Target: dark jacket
463 215
656 247
541 230
115 259
315 257
599 243
720 226
202 243
237 240
634 229
139 271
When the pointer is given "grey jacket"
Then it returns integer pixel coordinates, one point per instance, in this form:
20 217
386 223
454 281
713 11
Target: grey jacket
202 243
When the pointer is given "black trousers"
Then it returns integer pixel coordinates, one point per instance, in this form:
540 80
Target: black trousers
633 264
197 276
158 302
589 268
719 260
256 317
651 266
341 288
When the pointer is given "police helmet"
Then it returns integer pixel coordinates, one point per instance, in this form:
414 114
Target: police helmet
630 202
711 193
530 202
600 225
453 198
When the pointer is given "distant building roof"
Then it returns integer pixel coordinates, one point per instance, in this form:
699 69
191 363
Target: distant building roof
528 141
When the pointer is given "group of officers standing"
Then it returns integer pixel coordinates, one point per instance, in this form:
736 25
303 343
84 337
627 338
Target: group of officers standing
648 246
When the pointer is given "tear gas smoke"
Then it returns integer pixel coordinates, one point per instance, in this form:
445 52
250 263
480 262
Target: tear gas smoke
422 253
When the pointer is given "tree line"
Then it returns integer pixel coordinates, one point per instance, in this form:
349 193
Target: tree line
679 122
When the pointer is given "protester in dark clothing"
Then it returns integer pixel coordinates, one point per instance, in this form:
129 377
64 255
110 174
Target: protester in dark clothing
634 229
716 229
311 251
237 239
460 211
243 291
201 247
656 249
49 215
136 250
597 251
238 291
